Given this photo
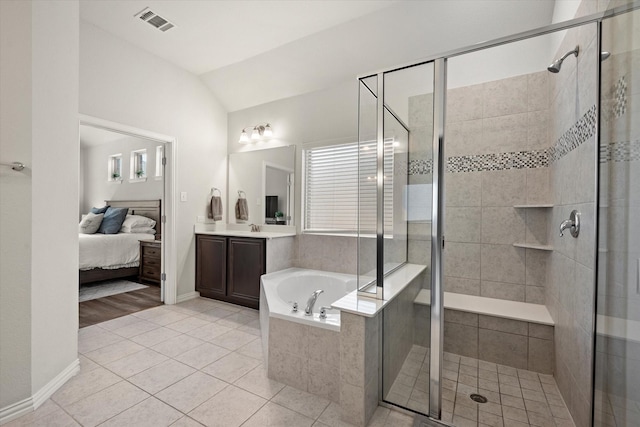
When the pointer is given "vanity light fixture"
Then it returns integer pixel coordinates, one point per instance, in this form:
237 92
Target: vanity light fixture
259 132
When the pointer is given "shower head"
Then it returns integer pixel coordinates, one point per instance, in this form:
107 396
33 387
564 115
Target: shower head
555 67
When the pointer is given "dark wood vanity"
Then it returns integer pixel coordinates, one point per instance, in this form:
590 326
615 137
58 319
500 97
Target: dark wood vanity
229 268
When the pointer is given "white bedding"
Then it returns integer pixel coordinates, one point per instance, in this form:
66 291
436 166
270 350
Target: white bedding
111 251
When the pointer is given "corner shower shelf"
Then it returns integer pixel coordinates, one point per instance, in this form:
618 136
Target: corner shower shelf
542 205
533 246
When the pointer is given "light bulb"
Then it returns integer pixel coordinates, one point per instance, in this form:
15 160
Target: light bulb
244 137
268 132
255 135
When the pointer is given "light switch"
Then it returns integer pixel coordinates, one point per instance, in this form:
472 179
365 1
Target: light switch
183 196
200 218
258 201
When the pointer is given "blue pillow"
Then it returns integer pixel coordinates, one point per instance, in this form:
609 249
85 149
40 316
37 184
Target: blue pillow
113 219
99 210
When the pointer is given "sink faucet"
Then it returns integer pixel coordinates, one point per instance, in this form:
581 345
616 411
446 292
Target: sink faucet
308 311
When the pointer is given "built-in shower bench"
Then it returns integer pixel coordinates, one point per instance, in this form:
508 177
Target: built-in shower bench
514 310
510 333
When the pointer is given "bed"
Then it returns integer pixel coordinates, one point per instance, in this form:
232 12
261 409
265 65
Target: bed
113 256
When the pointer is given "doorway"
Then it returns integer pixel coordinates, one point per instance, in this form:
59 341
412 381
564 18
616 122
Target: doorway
132 170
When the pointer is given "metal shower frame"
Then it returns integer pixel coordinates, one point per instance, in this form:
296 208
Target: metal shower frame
437 224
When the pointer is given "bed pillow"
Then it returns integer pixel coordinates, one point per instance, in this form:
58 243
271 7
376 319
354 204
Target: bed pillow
143 230
137 221
112 221
99 210
90 223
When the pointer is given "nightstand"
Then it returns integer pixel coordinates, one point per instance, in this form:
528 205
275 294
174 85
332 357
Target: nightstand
150 261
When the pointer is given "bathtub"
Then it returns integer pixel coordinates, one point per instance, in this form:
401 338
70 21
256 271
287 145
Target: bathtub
303 351
281 289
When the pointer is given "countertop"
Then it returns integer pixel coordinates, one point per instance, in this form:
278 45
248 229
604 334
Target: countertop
208 230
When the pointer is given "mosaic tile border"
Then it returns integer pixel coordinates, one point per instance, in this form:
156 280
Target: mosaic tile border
574 137
420 167
620 92
624 151
497 162
577 134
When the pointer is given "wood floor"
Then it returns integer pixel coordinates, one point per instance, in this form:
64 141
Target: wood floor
107 308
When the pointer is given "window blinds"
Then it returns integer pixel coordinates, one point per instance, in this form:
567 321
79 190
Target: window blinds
331 188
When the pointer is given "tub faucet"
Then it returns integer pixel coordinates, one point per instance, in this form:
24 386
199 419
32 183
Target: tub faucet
308 311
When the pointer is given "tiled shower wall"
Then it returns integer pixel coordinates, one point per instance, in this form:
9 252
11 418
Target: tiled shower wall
496 158
570 278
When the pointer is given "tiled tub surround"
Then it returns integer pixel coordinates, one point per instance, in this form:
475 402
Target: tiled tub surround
303 351
195 363
338 365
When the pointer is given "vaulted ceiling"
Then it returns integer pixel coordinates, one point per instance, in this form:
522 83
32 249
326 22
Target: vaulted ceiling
253 52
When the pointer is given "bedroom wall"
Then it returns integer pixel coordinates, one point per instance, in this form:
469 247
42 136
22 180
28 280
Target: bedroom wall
95 188
122 83
38 271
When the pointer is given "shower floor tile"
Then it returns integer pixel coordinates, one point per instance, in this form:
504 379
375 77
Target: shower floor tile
514 397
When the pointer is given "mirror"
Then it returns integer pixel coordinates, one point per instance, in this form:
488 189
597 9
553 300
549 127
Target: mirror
265 179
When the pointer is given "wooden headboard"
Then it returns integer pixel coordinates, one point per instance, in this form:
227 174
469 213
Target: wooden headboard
149 208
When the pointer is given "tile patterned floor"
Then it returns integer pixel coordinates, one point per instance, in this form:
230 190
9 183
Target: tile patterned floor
515 397
191 364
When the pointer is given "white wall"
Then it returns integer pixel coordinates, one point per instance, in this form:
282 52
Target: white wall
39 99
95 186
15 202
124 84
322 117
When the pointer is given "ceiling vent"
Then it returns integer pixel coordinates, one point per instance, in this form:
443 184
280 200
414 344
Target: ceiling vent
152 18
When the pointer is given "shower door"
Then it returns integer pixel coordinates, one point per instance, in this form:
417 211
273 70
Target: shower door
405 196
617 369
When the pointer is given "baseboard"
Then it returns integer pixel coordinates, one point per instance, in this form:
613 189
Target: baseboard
18 409
187 297
32 403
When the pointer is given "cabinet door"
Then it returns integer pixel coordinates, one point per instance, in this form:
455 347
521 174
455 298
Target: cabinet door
245 266
211 265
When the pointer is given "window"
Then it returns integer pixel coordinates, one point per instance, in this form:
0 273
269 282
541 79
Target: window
114 168
331 188
138 165
159 156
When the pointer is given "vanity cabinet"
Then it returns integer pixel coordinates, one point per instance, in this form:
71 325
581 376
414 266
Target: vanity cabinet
229 268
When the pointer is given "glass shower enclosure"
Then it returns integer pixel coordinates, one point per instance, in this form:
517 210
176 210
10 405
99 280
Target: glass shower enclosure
468 164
